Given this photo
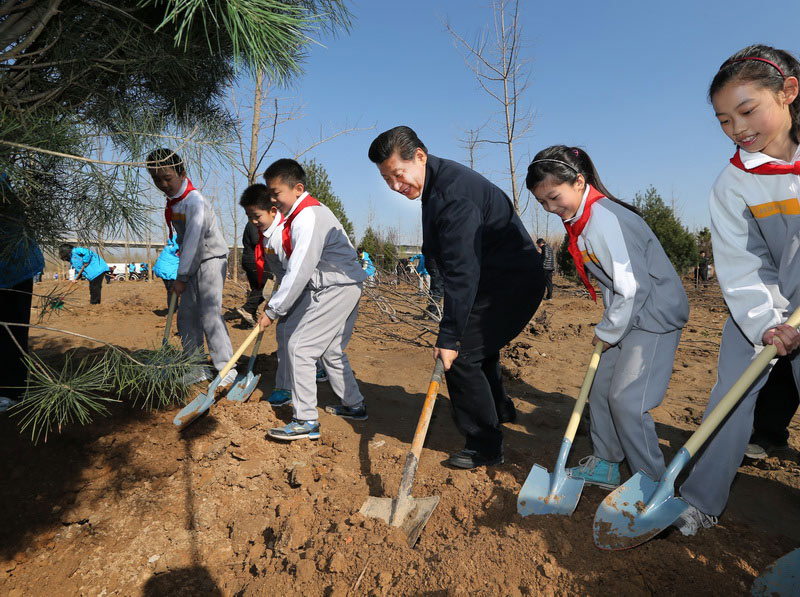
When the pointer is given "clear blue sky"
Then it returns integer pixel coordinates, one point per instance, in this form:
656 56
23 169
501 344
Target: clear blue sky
625 80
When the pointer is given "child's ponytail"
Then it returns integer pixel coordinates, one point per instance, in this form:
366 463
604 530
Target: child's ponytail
564 164
766 66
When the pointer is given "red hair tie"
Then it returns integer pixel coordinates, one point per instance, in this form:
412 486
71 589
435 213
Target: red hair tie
770 62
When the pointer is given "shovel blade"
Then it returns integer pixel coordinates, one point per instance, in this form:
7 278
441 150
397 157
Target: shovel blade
243 386
627 518
781 578
194 409
545 493
411 523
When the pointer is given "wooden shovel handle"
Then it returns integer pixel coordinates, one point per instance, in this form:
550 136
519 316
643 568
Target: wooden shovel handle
730 399
427 409
173 300
583 395
239 352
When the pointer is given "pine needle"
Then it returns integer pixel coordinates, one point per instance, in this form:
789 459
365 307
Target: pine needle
55 398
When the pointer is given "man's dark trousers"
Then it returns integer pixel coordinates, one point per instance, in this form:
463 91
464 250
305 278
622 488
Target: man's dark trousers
474 381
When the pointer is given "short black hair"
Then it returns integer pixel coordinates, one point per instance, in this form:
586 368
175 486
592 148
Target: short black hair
65 251
540 241
401 139
256 195
165 158
288 170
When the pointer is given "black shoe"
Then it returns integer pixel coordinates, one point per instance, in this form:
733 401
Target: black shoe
468 459
357 413
506 414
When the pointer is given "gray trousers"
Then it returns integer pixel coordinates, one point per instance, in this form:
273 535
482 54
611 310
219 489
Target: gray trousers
319 326
283 378
631 380
200 315
709 482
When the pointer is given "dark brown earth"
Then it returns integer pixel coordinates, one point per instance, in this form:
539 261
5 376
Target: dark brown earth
128 506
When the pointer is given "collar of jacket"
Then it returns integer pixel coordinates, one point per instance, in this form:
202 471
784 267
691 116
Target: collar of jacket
431 168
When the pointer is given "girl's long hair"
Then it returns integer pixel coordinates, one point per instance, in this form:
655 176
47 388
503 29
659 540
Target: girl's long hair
564 164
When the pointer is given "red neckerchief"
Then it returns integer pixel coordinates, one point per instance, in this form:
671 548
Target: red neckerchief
286 233
171 202
767 168
574 230
259 255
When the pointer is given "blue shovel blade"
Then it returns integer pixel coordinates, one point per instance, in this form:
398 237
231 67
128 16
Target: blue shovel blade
781 578
243 386
545 493
626 518
195 408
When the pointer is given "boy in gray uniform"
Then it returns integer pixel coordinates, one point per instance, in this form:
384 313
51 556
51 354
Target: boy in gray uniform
202 266
317 300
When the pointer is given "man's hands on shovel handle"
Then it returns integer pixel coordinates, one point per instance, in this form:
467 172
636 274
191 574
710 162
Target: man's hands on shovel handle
447 356
784 337
606 345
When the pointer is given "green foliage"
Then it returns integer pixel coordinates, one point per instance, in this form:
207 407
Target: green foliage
679 244
704 241
319 186
566 266
382 248
85 81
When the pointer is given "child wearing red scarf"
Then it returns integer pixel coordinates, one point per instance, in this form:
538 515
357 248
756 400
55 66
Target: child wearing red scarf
645 310
202 266
755 231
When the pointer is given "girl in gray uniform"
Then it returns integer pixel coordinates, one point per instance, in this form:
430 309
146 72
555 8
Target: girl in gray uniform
645 309
755 230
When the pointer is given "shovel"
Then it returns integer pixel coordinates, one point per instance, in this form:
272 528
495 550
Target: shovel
641 508
244 384
781 578
405 511
173 299
203 402
558 493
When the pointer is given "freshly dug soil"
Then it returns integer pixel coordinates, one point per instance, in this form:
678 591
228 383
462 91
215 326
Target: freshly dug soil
130 506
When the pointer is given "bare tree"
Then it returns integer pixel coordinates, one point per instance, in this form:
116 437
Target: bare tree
494 58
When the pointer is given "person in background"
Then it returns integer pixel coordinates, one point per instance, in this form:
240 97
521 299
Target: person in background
366 263
776 405
422 272
87 263
548 265
256 271
18 266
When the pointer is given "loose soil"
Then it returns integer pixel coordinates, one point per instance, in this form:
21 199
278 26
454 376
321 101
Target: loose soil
130 506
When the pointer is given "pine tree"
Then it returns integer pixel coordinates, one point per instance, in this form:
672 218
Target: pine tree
566 266
319 186
679 244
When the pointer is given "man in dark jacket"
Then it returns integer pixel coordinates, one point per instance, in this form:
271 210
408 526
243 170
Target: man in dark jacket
548 264
493 281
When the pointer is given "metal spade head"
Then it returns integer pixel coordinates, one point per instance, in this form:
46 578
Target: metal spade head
549 493
243 386
781 578
197 407
414 514
635 512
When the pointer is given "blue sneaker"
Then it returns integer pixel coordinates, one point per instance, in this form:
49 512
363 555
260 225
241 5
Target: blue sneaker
596 471
296 430
322 375
280 397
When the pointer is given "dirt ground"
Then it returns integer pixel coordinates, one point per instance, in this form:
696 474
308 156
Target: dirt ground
130 506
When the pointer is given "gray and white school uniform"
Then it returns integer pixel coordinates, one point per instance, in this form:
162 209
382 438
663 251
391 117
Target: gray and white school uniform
202 266
318 300
755 232
645 309
274 258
